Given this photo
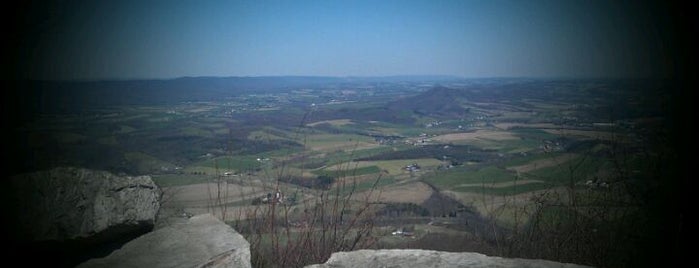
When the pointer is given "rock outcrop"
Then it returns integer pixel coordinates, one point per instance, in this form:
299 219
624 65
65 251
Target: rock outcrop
416 258
73 203
201 241
69 215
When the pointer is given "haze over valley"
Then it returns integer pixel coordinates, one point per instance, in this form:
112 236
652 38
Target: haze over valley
461 161
286 133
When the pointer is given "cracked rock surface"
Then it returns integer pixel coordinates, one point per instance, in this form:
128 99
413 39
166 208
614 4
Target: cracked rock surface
74 203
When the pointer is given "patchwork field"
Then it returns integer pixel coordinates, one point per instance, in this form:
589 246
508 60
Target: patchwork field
341 142
393 167
475 136
412 192
437 155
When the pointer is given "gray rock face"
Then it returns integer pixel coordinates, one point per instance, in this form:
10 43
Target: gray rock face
73 203
416 258
201 241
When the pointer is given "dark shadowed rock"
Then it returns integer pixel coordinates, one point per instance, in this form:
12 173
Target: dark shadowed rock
74 203
416 258
72 214
201 241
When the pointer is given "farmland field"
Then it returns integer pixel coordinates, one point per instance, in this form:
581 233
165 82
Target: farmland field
464 158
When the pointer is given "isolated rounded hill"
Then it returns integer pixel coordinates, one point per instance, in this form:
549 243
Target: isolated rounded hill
438 101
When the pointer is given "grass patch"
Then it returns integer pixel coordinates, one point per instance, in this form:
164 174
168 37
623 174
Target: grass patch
220 131
509 146
579 168
69 137
145 163
109 140
194 131
391 166
533 134
518 146
556 216
519 161
457 176
238 163
336 141
344 156
350 172
170 180
336 122
282 153
271 133
510 190
124 129
393 129
365 185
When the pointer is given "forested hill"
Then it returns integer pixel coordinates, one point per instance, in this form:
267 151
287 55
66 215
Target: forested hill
438 101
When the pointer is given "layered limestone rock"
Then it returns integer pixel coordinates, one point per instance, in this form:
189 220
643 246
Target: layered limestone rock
201 241
416 258
74 204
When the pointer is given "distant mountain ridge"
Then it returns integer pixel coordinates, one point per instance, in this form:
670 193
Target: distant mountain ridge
65 95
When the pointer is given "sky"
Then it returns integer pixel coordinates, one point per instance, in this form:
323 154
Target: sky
88 40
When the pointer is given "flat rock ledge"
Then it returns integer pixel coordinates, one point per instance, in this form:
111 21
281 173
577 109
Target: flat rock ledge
201 241
417 258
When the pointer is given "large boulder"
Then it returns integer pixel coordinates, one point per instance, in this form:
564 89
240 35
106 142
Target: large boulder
201 241
74 203
69 215
417 258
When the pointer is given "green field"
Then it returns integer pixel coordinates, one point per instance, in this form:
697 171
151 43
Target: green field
533 134
339 157
69 137
522 160
509 190
578 169
194 131
169 180
510 146
109 140
145 163
332 142
394 167
227 163
461 175
350 171
271 133
365 185
517 152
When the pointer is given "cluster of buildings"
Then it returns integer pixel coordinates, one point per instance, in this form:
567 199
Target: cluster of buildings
414 167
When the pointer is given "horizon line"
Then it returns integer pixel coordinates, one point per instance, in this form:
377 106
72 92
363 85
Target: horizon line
441 76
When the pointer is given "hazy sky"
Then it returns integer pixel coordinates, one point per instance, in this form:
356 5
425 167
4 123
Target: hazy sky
167 39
